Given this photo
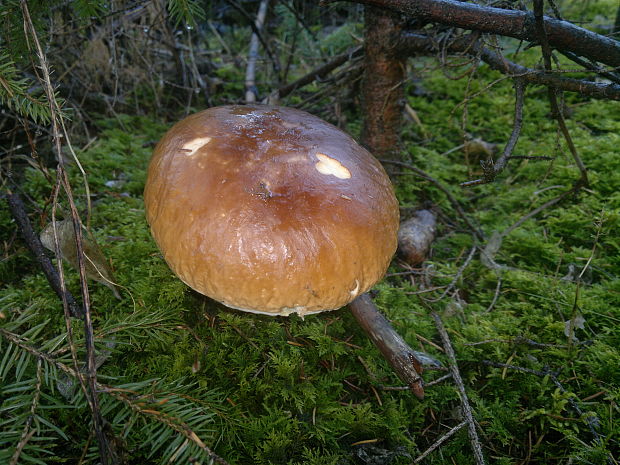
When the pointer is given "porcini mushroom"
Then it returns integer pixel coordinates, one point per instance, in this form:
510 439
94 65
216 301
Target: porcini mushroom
271 210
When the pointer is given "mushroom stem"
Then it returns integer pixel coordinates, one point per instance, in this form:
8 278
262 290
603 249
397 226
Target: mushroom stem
393 347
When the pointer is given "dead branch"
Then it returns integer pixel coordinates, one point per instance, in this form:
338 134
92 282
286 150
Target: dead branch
18 211
393 347
457 276
537 210
412 43
500 163
562 35
455 204
553 93
595 68
440 441
317 73
251 92
456 375
492 168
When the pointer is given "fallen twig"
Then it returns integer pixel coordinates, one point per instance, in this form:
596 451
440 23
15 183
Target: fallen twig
440 441
456 375
492 168
456 276
590 420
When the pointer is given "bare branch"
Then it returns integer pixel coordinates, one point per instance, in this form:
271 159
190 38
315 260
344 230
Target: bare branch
414 43
440 441
457 276
317 73
562 35
106 451
454 369
275 62
455 204
500 164
553 93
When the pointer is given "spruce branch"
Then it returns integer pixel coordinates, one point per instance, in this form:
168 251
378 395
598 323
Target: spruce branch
148 400
16 93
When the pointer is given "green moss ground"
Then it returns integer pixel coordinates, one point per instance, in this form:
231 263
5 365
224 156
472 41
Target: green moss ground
285 391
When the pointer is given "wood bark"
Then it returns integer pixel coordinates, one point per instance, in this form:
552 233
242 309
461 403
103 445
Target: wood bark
562 35
382 86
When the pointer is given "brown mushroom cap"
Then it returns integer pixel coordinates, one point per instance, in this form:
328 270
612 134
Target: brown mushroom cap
270 209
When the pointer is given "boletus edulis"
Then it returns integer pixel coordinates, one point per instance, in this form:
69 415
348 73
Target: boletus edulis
272 210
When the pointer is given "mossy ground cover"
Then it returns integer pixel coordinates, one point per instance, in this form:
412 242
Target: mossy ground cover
285 391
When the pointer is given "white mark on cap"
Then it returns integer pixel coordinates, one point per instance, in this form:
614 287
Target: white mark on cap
191 147
329 165
356 289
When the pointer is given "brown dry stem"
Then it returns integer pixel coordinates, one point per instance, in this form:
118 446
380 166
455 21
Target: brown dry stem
393 347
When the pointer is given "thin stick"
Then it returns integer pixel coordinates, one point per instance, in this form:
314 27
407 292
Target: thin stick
537 210
275 62
250 71
317 73
440 441
412 43
18 211
455 204
106 451
457 275
454 369
589 420
505 22
490 168
553 92
393 347
498 288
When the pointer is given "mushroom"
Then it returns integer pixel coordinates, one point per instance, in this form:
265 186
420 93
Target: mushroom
272 210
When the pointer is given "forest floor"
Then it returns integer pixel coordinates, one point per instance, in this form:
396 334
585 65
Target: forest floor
533 313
